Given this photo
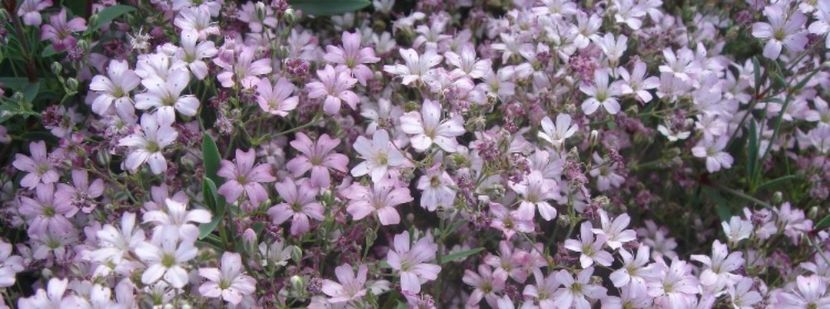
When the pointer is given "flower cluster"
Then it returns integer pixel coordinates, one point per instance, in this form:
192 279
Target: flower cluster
426 154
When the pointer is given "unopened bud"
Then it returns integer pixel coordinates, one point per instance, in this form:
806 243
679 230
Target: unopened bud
297 283
72 84
57 68
777 197
594 137
296 254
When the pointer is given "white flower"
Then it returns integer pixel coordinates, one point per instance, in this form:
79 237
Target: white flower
166 97
712 151
176 216
147 145
615 231
115 87
589 247
427 127
165 257
379 155
416 65
737 229
558 133
601 93
228 282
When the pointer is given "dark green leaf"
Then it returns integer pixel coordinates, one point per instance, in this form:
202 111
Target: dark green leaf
215 204
779 180
31 92
805 80
49 51
111 13
823 223
328 7
756 70
77 7
752 152
460 256
211 158
14 83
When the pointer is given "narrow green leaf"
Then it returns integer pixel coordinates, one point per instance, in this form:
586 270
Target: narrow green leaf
823 223
805 80
31 92
49 51
752 152
215 204
111 13
14 83
211 158
328 7
756 70
779 180
460 256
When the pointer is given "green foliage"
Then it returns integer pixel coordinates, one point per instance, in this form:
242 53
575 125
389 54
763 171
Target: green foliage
109 14
329 7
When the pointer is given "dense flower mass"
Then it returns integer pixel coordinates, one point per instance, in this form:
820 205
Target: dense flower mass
420 154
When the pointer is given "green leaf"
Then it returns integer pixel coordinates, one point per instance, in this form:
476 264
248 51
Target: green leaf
779 180
215 204
77 7
111 13
14 83
756 70
328 7
211 158
752 152
460 256
49 51
823 223
31 92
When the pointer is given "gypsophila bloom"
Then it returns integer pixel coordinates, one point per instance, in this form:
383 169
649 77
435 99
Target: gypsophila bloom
59 30
334 86
601 93
38 166
299 204
784 29
379 155
29 11
411 261
317 156
589 247
416 67
115 87
350 57
380 200
556 134
243 177
147 143
165 256
276 99
712 151
427 128
228 281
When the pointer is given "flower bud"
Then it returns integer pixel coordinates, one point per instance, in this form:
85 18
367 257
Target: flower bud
594 137
297 283
71 84
296 254
777 197
57 68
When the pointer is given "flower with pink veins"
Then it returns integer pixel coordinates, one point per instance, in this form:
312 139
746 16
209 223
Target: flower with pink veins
380 200
351 286
379 155
114 244
299 203
535 191
38 167
486 284
276 99
781 31
82 194
543 291
192 52
241 176
165 96
166 257
46 211
29 11
196 19
228 282
590 248
244 70
350 57
574 291
147 145
412 261
416 65
59 31
335 86
615 230
115 87
807 292
317 156
427 128
601 93
466 64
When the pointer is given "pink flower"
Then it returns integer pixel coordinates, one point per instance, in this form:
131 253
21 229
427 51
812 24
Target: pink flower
711 149
426 127
590 248
808 292
381 200
299 204
82 194
39 168
196 19
59 31
573 293
781 31
29 10
675 287
509 222
411 262
486 284
276 100
244 70
601 94
615 231
437 189
335 86
351 286
9 265
115 87
352 58
52 297
317 156
544 289
242 176
379 155
227 282
535 191
46 211
257 15
416 66
147 145
165 256
165 96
